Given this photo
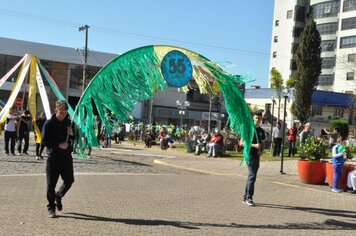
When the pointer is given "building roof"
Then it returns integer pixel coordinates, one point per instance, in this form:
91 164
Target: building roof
19 48
333 99
319 98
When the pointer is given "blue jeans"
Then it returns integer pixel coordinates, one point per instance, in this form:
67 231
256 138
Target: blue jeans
338 163
252 166
291 148
213 149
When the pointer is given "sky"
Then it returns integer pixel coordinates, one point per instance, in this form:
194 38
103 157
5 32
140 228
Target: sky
234 33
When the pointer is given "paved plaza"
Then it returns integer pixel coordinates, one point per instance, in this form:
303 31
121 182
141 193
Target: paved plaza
130 190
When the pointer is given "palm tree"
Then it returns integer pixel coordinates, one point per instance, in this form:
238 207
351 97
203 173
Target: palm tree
277 84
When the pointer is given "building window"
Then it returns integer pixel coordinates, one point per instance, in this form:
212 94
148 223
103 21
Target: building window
276 23
274 54
348 23
326 80
297 32
350 75
351 58
326 9
348 42
6 64
328 45
275 39
349 5
328 62
339 112
294 47
300 14
289 14
293 64
329 28
316 110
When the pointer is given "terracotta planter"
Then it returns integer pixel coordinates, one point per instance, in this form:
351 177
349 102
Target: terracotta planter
311 172
343 179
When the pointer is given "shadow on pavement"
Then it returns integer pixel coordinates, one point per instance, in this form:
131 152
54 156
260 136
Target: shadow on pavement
327 212
23 161
109 161
327 225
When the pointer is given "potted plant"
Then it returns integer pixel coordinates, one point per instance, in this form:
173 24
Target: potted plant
311 169
350 153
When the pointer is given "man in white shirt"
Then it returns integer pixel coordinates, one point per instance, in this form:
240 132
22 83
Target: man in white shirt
10 132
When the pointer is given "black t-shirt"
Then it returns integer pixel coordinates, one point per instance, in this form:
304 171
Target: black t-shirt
260 134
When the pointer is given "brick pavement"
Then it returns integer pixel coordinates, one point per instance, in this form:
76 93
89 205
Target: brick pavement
168 202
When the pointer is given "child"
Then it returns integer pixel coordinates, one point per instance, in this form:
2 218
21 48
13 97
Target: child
338 153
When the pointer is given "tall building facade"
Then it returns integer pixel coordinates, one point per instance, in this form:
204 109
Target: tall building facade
336 23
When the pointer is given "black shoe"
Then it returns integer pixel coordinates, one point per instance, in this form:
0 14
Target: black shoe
353 192
25 153
52 213
59 203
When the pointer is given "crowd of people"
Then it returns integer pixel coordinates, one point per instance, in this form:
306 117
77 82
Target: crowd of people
17 132
198 140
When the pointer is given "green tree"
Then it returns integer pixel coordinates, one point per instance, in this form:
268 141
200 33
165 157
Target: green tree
308 69
291 82
277 84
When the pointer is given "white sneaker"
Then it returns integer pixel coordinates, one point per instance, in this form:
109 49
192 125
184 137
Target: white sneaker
37 157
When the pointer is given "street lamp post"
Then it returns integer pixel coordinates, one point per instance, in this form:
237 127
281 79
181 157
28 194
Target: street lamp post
182 107
285 95
273 102
85 28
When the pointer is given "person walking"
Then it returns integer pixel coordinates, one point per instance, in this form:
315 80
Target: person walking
254 163
23 132
292 137
56 132
10 132
40 121
277 135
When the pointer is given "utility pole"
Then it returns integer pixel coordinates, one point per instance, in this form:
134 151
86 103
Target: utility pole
85 28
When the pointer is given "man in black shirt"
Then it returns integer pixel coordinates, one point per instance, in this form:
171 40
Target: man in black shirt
60 161
24 132
254 163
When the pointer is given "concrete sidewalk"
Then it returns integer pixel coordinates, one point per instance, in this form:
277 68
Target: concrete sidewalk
269 170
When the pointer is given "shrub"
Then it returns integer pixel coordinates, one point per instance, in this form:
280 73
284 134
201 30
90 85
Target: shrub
350 151
313 149
341 125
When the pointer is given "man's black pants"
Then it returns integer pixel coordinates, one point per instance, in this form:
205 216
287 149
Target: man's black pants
10 137
60 164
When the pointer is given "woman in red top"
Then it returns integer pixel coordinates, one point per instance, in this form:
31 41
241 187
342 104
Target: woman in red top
292 137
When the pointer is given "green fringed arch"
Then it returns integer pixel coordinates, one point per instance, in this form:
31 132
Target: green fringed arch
136 75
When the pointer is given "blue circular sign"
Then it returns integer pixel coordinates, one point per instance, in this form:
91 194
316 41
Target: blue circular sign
176 68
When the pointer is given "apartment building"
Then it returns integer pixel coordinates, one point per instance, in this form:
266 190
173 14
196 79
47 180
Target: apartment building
336 23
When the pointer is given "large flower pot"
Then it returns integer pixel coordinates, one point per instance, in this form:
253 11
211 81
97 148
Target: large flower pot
311 172
343 179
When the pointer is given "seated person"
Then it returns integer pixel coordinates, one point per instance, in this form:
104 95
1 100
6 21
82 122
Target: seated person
202 143
215 144
351 180
150 136
164 139
193 135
